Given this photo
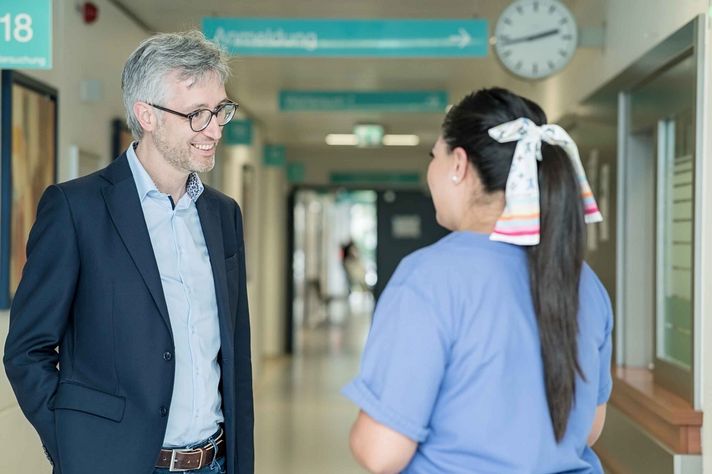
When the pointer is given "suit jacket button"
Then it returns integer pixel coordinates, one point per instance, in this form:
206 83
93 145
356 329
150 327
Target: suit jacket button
167 356
164 411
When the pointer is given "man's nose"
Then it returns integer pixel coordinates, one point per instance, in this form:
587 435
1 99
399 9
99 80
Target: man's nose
213 130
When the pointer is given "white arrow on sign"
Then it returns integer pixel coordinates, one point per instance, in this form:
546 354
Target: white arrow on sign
461 39
310 41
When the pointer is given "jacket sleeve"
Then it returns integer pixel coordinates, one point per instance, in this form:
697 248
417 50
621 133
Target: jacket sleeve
40 313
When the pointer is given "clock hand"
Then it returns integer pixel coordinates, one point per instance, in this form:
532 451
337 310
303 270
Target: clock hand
544 34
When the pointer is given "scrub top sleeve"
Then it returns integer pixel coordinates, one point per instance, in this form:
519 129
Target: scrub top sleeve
605 383
403 363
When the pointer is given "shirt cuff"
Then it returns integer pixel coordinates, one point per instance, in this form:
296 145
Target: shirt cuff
358 392
604 393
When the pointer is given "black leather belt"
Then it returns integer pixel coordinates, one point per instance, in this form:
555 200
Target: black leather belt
181 460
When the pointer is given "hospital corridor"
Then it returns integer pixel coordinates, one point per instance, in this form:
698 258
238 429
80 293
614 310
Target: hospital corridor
340 237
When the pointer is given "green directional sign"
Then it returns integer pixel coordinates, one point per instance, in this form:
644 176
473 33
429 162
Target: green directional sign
295 172
392 101
349 38
238 132
275 155
375 177
25 34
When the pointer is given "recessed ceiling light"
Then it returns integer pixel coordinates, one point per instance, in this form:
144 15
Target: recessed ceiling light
343 139
401 140
350 139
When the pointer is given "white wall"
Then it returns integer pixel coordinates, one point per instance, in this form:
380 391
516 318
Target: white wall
272 265
264 214
230 163
231 171
632 27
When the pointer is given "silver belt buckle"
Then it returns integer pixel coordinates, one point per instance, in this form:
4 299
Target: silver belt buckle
172 468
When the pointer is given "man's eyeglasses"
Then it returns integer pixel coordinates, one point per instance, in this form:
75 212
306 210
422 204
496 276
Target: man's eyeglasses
200 119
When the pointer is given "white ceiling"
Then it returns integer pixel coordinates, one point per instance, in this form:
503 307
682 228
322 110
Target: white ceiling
257 81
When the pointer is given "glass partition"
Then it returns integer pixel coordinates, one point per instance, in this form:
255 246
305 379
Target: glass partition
675 236
662 108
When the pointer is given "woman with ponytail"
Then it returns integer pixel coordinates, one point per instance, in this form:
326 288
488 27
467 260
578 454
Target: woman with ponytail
490 350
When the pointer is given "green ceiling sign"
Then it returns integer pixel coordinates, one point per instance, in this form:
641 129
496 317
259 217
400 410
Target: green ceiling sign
295 172
390 101
319 37
275 155
238 132
375 178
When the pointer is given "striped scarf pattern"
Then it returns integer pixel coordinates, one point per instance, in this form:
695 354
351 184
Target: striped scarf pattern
519 223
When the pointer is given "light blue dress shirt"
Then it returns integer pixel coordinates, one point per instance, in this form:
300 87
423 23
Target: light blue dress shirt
187 280
453 362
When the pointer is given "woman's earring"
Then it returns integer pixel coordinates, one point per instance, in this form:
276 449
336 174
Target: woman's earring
454 179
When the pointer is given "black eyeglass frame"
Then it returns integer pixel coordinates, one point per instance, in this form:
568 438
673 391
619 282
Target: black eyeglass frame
193 114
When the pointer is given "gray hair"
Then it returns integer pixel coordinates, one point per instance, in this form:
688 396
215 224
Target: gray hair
189 54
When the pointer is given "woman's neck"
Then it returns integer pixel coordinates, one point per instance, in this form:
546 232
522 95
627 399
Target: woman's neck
481 217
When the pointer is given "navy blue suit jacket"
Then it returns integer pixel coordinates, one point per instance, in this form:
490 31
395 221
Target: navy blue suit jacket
91 288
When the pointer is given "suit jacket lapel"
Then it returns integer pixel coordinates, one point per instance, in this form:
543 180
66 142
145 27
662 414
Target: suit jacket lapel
127 214
212 231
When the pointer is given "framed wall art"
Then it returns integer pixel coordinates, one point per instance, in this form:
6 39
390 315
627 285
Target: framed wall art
28 164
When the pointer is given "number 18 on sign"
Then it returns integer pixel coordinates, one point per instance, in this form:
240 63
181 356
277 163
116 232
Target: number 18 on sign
26 34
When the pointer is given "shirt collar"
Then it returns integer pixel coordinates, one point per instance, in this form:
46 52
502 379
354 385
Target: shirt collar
194 187
144 184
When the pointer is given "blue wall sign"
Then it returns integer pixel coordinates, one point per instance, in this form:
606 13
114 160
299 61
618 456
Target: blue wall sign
26 34
394 101
349 38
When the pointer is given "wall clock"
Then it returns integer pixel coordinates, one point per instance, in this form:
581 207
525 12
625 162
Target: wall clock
535 38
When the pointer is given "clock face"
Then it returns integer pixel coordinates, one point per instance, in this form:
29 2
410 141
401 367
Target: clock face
535 38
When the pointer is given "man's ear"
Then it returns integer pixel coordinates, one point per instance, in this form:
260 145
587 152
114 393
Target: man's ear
146 116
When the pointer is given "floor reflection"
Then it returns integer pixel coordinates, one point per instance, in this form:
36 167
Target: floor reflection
301 420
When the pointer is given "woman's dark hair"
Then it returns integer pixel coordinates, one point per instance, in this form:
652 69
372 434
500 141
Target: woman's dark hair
555 263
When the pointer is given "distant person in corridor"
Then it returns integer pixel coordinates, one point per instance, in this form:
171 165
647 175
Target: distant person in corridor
354 268
490 350
129 341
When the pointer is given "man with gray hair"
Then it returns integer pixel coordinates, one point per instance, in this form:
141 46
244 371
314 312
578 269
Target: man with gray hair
129 340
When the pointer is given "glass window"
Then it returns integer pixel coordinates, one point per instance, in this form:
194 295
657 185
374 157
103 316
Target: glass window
675 239
660 192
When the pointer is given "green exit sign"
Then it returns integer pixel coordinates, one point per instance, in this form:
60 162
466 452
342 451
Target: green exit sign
26 34
368 135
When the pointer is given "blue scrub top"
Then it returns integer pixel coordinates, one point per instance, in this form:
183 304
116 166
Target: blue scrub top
453 362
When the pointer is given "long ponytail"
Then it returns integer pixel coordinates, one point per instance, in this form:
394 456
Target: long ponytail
555 271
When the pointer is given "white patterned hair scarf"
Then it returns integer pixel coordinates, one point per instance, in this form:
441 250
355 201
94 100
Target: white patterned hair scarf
519 223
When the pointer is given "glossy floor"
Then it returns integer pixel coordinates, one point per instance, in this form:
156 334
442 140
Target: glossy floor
301 420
